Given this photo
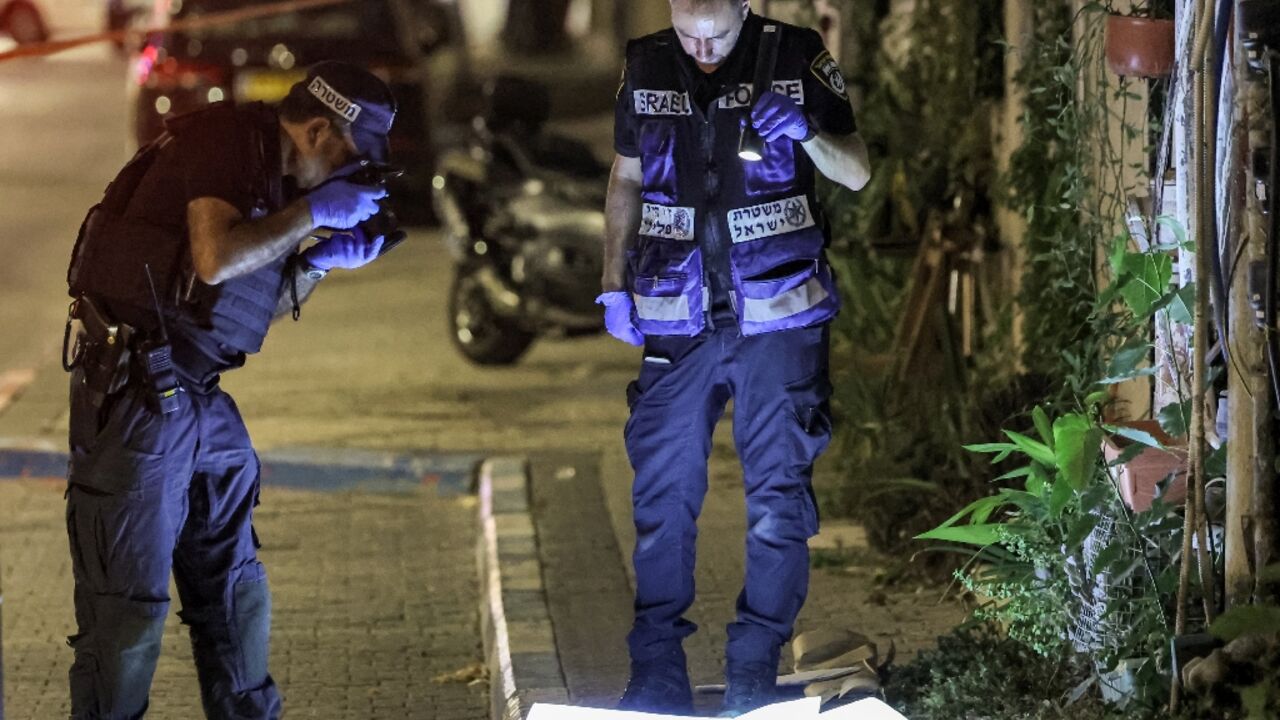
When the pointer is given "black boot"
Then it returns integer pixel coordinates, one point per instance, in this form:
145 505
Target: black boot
659 685
749 685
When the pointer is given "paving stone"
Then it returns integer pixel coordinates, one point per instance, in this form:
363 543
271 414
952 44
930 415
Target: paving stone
375 597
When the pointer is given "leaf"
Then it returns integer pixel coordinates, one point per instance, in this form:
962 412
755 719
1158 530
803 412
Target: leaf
1127 361
1043 427
1180 304
980 535
1115 379
983 506
1059 495
1037 450
1246 620
1136 435
1119 249
1175 418
1144 280
1109 555
1097 397
1127 454
1020 472
990 447
1179 232
1080 529
1077 444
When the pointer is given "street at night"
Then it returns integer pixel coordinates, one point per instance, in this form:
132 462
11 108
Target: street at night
376 589
593 359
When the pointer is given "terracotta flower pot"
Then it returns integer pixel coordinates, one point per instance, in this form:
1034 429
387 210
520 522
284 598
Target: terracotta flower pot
1139 478
1139 46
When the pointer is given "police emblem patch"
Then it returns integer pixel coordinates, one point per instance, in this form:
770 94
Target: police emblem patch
667 222
796 213
826 69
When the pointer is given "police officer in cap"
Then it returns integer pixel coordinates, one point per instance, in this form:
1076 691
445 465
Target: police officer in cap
714 262
177 275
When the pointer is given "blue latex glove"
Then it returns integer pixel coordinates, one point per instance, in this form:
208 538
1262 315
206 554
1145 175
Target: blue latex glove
340 205
617 317
347 250
775 116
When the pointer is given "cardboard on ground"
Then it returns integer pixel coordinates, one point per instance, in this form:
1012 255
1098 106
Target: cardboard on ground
865 709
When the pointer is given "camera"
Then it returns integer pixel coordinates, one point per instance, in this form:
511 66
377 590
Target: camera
384 222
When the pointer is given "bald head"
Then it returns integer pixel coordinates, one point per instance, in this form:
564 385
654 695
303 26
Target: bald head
708 29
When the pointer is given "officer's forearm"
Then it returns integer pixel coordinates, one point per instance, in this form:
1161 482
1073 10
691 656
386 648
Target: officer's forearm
842 158
225 246
622 222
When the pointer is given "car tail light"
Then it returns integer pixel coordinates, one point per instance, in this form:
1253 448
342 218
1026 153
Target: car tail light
167 73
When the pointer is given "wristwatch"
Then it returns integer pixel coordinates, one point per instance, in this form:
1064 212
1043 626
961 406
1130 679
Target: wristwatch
310 271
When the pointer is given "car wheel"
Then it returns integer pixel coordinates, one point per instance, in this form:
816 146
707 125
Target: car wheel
479 333
24 24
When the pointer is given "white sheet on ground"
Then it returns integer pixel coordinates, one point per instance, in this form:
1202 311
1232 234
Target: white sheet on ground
865 709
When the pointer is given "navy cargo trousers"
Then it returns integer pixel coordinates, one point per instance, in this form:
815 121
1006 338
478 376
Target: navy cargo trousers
781 423
149 494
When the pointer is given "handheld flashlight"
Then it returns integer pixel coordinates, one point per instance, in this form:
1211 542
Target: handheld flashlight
750 144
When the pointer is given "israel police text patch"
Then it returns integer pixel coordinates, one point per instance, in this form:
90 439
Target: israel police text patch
740 95
769 219
662 102
826 69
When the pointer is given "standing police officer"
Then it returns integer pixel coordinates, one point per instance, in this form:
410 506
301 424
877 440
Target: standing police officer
716 265
177 275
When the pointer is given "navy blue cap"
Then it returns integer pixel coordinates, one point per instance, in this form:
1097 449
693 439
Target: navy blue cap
359 97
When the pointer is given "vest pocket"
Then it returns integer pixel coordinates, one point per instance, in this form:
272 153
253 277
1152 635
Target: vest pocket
658 158
661 298
775 172
774 299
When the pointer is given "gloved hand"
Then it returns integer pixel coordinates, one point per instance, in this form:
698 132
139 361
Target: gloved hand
340 205
775 116
617 317
348 250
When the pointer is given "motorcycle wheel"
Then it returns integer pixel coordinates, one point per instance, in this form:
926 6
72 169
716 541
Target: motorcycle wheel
479 333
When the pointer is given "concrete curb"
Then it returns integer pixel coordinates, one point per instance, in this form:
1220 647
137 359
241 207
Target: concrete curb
519 642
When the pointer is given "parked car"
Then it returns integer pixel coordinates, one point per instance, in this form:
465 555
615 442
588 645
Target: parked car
259 59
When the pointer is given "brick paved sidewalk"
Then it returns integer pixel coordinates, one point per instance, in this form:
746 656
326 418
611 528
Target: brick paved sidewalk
375 600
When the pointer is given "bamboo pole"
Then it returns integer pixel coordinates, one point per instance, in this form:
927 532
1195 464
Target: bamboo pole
1245 371
1200 342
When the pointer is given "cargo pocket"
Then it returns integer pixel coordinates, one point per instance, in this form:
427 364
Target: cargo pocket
811 429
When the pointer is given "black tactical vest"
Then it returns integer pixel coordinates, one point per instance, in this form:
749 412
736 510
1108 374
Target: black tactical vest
140 225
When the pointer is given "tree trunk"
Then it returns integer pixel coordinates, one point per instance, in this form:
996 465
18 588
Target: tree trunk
536 27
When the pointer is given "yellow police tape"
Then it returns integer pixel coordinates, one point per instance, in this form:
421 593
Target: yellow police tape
227 17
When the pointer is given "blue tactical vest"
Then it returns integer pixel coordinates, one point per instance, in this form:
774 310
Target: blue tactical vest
753 230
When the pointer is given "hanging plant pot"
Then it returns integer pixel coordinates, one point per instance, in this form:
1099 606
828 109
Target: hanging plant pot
1139 46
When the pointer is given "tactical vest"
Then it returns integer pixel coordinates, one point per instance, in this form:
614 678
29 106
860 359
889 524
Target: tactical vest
705 210
120 240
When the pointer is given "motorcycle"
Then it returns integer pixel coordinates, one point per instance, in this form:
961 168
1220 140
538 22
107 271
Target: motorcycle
523 217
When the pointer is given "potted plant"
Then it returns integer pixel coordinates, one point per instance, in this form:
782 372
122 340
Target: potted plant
1140 44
